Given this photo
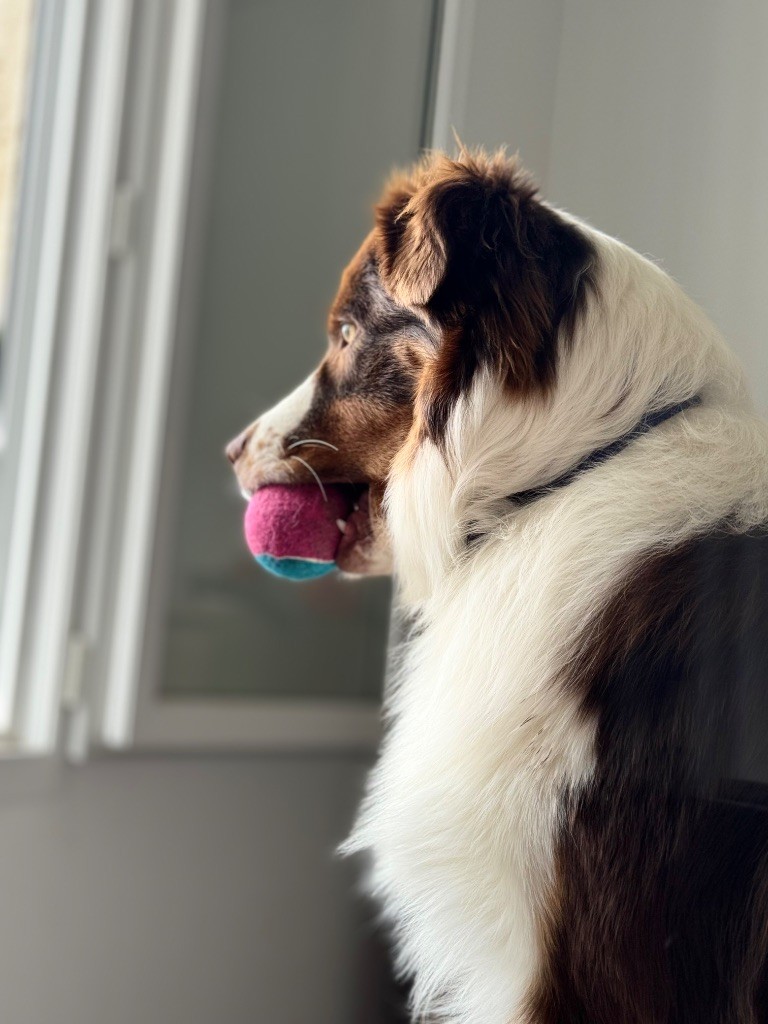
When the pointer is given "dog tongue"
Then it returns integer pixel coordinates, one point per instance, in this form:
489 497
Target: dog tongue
297 523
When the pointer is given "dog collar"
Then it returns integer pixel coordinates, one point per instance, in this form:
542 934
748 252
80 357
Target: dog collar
601 455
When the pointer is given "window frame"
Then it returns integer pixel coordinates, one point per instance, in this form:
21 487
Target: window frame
36 280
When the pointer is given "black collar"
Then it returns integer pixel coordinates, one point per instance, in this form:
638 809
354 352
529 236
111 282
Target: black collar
601 455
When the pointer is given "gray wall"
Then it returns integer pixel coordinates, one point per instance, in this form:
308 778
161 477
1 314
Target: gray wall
660 136
181 891
504 81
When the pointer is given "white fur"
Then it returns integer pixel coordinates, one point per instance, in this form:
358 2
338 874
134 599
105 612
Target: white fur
483 737
271 429
263 458
288 413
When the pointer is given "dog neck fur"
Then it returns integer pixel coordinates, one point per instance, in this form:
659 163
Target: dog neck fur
640 345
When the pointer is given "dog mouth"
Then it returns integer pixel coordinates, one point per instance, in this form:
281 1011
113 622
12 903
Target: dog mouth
356 529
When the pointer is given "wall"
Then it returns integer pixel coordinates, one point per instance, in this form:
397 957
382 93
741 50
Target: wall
181 891
660 137
501 90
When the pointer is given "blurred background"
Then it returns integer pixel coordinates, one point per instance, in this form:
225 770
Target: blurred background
184 739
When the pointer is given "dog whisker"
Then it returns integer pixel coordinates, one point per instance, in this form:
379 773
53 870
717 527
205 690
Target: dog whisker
312 440
306 465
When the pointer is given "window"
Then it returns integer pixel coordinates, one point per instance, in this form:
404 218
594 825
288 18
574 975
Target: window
146 123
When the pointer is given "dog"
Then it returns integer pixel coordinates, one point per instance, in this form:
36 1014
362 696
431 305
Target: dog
555 453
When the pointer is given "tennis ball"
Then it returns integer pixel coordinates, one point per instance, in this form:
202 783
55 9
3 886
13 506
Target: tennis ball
293 531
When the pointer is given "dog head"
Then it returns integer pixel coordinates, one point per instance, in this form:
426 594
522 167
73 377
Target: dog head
465 274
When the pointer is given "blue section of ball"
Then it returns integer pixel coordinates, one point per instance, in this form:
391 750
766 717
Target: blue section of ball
294 568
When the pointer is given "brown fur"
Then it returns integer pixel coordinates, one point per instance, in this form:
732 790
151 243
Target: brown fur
364 397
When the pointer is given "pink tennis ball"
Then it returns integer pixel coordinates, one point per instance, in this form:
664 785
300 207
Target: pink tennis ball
292 531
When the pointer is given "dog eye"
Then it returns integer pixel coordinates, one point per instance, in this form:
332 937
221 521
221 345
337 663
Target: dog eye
348 332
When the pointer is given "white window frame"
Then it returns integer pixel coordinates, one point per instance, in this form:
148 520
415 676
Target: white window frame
37 281
59 285
162 253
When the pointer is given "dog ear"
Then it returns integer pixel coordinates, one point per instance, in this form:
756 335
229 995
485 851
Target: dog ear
410 244
470 242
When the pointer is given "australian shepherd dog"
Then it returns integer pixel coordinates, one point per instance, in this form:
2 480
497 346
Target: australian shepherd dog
554 452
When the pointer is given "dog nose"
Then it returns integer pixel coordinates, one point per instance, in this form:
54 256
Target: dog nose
235 448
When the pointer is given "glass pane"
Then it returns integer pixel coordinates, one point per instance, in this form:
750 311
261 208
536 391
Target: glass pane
313 104
15 26
16 19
